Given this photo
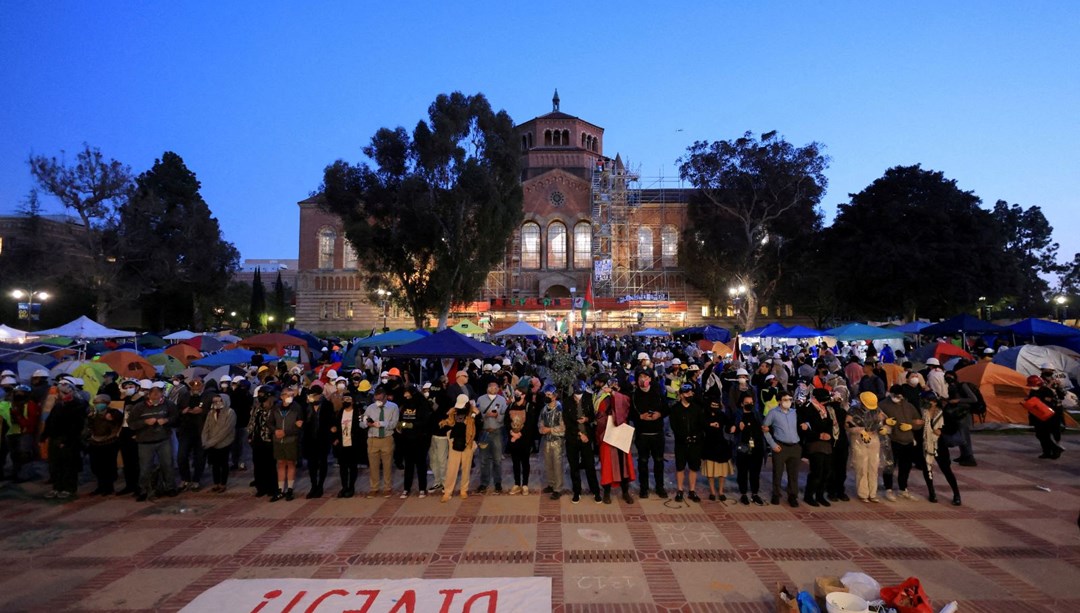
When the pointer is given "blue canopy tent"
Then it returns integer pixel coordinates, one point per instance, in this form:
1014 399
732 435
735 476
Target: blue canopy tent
709 333
861 332
651 332
796 332
387 339
230 358
313 342
773 330
914 327
446 344
963 324
1042 331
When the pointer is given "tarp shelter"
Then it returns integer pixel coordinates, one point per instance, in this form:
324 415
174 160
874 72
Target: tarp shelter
1041 331
963 324
85 328
1003 389
129 365
522 328
230 358
651 332
798 332
1028 360
11 335
939 350
467 327
861 332
205 343
773 330
312 341
183 352
273 342
913 327
708 332
181 335
393 338
446 344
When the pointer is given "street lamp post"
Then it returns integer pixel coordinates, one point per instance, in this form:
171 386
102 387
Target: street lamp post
384 302
737 292
29 296
1062 308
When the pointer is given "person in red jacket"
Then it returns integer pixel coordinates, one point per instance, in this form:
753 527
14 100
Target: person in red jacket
616 466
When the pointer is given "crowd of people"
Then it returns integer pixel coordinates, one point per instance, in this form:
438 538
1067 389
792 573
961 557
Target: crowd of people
829 409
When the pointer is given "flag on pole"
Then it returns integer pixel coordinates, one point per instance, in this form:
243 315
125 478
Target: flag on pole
586 304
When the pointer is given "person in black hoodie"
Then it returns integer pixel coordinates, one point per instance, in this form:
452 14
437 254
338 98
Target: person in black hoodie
688 425
716 453
190 455
580 420
63 432
647 411
319 418
414 423
750 448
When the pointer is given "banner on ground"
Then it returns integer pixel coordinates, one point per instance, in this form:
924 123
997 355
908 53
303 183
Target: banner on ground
521 595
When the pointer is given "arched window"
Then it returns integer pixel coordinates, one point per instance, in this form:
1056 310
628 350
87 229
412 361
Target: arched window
350 257
566 137
644 248
583 245
547 138
530 246
327 238
669 247
556 243
583 140
530 140
524 143
595 144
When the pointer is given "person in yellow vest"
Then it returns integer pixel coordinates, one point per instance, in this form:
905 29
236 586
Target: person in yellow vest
769 396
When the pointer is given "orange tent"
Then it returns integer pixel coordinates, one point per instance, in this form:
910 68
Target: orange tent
183 352
273 342
894 373
1003 389
129 364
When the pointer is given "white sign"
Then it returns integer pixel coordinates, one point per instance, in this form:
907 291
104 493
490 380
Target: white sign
620 436
519 595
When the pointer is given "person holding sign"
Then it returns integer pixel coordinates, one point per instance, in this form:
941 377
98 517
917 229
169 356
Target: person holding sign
612 409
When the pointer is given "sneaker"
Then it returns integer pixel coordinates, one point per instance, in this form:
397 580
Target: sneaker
890 496
387 494
141 497
811 502
794 502
744 500
824 502
514 491
661 492
344 493
498 489
956 501
775 500
864 499
844 497
906 495
278 495
547 490
524 490
607 497
556 495
712 497
967 462
422 494
643 494
52 494
288 495
193 487
678 496
404 495
757 500
599 499
370 494
627 498
874 500
576 499
243 466
693 496
722 498
932 497
481 490
62 495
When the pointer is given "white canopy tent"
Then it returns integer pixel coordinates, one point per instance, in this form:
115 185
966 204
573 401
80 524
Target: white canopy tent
521 328
182 335
12 335
85 328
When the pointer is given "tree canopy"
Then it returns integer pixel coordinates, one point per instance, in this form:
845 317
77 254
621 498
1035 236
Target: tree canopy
431 213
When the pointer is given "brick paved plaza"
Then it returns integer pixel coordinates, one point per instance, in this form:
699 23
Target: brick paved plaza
1011 548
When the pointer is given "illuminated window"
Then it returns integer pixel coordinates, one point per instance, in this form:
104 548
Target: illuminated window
644 248
583 245
350 256
327 238
669 246
556 245
530 246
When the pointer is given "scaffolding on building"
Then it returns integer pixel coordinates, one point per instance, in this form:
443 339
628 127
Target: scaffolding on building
629 222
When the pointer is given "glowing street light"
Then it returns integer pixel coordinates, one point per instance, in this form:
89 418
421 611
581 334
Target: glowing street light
384 302
26 309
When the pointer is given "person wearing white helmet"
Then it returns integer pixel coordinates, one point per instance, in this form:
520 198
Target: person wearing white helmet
935 378
152 420
131 394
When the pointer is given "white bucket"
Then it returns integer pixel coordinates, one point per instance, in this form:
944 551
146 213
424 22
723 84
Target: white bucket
844 602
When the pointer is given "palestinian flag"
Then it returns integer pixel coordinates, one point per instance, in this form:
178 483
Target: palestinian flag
586 304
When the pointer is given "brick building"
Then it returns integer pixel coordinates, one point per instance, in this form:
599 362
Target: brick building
585 215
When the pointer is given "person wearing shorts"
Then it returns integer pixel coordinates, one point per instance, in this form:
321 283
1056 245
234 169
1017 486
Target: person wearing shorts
688 425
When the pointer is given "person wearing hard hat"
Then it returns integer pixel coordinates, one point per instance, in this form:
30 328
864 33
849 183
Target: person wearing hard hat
463 421
866 427
23 420
152 419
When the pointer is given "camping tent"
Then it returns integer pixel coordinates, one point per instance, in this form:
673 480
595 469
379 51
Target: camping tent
941 351
651 332
467 327
182 335
169 365
273 342
205 343
85 328
129 364
183 352
1028 359
1002 388
522 328
963 324
709 333
230 358
446 344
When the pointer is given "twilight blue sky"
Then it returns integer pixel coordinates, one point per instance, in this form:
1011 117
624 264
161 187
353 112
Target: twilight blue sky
258 97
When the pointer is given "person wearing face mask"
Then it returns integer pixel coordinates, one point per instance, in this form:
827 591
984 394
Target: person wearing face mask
906 424
749 449
319 417
688 426
781 427
130 394
517 417
492 407
647 411
151 419
63 432
380 420
102 436
958 402
261 438
838 403
580 419
553 430
935 451
740 386
240 400
716 451
819 430
190 455
415 438
866 427
347 433
218 432
287 421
